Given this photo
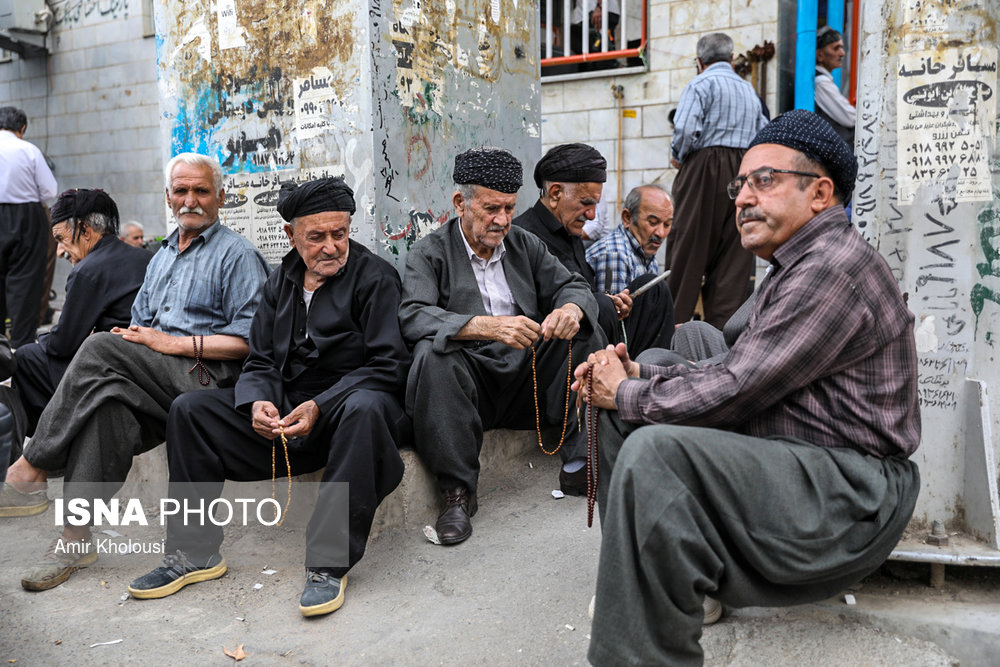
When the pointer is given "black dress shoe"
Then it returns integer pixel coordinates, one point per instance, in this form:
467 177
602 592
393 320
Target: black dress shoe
573 483
454 524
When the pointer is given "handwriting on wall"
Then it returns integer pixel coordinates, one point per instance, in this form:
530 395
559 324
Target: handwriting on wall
946 106
74 12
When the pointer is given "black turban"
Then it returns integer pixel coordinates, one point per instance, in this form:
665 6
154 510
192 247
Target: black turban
572 163
323 194
826 36
492 168
77 204
807 133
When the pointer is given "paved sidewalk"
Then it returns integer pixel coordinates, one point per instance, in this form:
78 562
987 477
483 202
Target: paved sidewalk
515 594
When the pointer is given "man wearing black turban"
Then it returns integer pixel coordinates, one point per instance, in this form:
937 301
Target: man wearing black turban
99 294
477 294
326 370
570 179
782 475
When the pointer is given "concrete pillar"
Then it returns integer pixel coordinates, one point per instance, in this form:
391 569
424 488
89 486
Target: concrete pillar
928 197
383 93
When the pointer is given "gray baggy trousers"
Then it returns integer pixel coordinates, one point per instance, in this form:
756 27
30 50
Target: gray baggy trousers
111 405
750 521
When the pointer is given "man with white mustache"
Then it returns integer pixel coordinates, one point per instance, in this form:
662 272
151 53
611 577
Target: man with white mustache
194 307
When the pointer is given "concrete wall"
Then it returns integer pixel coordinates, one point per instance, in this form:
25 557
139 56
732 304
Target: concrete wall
585 110
92 104
385 94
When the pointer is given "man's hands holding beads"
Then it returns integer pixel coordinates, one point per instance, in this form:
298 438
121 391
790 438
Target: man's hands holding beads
297 423
563 322
610 367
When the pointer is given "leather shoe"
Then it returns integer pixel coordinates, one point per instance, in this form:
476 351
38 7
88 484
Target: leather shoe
454 524
573 483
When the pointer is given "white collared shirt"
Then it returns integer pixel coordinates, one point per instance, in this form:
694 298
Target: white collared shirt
24 175
492 280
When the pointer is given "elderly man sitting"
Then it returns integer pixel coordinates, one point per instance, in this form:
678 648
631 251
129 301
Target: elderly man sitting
782 475
99 295
485 306
194 307
570 178
326 370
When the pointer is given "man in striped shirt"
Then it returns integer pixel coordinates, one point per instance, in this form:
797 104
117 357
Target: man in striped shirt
782 475
718 114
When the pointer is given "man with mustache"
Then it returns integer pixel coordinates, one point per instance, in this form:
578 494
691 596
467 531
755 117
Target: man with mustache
782 475
477 294
326 371
189 330
570 179
630 250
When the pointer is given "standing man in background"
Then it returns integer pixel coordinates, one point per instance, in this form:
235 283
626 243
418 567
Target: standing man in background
718 114
831 106
26 183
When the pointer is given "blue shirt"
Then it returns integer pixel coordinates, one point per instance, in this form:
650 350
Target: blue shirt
718 108
619 256
211 288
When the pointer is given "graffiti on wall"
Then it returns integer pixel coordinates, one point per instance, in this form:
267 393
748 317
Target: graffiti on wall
74 12
442 66
234 89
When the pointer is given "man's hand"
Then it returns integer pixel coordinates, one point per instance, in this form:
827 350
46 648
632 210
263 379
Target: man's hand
610 366
299 422
151 338
675 163
623 304
517 331
563 322
265 419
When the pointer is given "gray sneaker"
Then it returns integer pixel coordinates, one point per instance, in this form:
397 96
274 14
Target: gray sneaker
63 558
15 503
323 593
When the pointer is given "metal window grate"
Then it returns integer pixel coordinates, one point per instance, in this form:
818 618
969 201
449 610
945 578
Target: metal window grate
584 36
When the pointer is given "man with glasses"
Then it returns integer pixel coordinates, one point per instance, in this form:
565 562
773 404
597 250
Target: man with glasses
780 476
718 115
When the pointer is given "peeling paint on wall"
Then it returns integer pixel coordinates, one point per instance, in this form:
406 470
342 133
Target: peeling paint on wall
385 93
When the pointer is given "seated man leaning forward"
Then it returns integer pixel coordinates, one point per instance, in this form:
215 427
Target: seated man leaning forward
780 476
326 369
99 295
477 293
570 178
190 323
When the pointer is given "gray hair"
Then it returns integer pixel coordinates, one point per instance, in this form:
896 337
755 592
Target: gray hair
102 224
195 160
715 48
467 190
634 198
132 223
13 119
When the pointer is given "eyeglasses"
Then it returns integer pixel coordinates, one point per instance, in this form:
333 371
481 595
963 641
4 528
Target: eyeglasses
761 179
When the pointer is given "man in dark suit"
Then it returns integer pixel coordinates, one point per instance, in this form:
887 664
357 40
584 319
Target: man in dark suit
477 294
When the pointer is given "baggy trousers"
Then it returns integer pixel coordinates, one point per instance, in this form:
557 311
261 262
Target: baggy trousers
209 441
750 521
23 228
112 405
36 378
454 397
704 240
